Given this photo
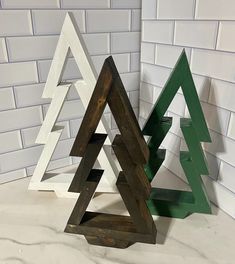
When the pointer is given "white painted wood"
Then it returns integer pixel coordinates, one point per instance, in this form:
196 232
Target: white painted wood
49 134
53 113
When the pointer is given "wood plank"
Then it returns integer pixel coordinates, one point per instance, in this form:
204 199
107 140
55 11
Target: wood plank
106 241
137 208
94 111
125 118
84 198
134 173
118 227
91 153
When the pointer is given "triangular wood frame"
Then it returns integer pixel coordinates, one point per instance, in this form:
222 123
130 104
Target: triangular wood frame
49 134
132 153
177 203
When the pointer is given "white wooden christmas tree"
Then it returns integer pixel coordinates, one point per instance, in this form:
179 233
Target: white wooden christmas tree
49 134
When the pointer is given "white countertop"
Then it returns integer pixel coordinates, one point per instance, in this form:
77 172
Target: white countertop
32 224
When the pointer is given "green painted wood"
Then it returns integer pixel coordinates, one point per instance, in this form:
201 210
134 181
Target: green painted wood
156 155
194 145
201 201
176 203
181 76
155 161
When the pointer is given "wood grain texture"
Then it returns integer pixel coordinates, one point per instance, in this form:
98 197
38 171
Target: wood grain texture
91 152
132 153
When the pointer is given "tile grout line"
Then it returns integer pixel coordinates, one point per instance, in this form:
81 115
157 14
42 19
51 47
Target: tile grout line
194 47
217 35
229 120
195 9
170 68
58 34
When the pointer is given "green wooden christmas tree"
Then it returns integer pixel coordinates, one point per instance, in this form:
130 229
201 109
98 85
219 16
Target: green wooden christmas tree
176 203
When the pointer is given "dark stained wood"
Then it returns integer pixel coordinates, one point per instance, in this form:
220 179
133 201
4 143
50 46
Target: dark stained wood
107 242
94 111
137 207
125 118
118 227
132 153
92 151
84 198
134 173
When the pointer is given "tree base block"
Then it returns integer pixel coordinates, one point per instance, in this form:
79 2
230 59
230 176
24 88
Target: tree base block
174 203
108 242
110 230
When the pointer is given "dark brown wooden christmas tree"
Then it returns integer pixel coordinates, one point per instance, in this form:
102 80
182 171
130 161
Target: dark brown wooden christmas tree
132 153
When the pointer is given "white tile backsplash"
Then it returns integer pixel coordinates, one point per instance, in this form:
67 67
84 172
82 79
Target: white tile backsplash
122 62
20 118
108 20
12 175
226 176
85 4
50 21
97 43
135 62
31 48
149 9
6 99
71 70
226 37
215 64
126 3
231 129
22 158
200 34
154 74
3 51
18 73
172 9
146 92
222 94
10 141
219 10
15 23
136 21
164 31
148 52
131 80
167 55
29 135
74 126
125 42
70 110
30 4
217 118
29 95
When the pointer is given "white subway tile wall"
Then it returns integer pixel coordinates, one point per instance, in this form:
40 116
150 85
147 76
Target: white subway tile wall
206 29
29 32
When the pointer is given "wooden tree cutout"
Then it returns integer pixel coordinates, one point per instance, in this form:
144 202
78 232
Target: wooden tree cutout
49 134
132 153
175 203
